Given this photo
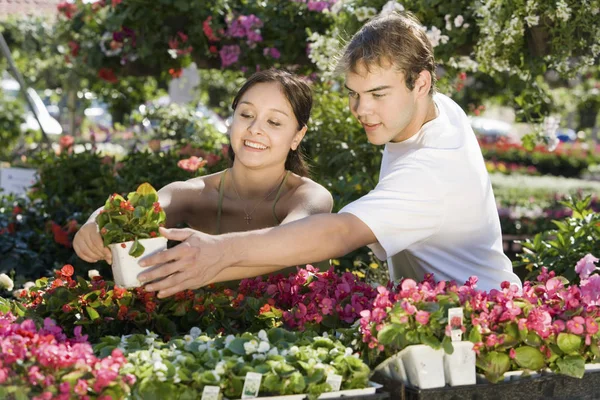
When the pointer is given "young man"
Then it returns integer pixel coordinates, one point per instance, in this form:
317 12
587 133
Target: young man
433 209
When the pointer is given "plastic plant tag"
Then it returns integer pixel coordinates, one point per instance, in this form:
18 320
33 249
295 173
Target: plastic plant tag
251 385
335 381
210 393
455 319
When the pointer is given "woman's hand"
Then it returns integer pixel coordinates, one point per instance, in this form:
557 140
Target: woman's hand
88 244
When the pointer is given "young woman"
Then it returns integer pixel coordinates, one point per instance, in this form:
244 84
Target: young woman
267 184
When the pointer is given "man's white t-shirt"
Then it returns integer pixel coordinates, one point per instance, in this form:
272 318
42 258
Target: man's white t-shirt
433 210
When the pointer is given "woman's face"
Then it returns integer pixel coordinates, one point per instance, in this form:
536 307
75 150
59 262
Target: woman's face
264 127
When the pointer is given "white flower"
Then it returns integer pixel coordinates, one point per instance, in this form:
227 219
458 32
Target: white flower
273 351
161 376
294 350
229 339
447 18
28 285
195 332
260 357
251 346
220 367
435 36
6 283
595 10
458 21
159 366
337 7
391 6
563 11
188 339
532 20
364 13
348 351
202 347
325 335
92 273
334 352
262 335
263 347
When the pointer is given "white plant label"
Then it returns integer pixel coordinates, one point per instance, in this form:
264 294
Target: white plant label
251 385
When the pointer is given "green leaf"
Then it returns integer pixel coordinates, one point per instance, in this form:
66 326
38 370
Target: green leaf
389 334
494 365
447 345
530 358
236 346
136 249
571 366
92 313
568 342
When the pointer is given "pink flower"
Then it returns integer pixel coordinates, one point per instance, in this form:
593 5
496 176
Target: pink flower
327 306
576 325
81 387
512 354
191 164
409 308
422 317
586 266
591 326
229 55
272 51
491 340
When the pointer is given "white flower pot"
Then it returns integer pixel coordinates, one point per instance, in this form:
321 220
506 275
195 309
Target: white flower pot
424 366
125 268
459 367
393 368
592 367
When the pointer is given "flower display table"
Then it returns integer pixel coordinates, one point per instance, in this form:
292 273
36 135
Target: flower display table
549 386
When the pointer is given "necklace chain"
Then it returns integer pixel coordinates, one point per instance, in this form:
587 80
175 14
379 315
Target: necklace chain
248 216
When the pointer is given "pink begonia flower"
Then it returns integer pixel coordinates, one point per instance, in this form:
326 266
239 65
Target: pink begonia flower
586 266
408 284
512 354
422 317
229 55
491 340
559 326
590 290
410 308
591 326
576 325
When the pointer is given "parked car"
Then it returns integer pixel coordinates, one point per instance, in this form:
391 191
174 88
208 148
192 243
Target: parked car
491 130
11 89
566 135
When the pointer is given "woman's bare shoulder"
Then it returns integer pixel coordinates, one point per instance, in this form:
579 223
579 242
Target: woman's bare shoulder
307 191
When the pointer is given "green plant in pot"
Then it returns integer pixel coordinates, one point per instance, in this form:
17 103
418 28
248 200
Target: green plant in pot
130 229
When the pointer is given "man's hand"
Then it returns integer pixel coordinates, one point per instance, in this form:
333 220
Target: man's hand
189 265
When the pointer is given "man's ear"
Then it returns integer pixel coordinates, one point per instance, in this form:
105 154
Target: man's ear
423 83
298 137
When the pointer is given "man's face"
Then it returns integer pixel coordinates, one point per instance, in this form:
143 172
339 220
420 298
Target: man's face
382 103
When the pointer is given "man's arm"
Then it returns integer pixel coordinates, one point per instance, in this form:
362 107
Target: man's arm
200 258
310 199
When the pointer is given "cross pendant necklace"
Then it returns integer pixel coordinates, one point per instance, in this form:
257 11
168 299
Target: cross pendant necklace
248 215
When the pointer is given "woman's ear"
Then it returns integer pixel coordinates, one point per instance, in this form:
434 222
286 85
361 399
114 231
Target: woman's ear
298 138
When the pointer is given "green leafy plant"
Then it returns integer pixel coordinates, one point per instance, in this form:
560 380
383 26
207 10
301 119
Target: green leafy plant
560 249
138 217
